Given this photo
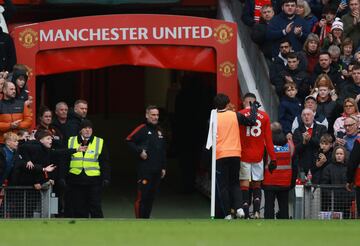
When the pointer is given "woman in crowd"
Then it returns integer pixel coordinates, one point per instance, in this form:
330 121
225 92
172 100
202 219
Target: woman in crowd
310 53
44 123
350 108
303 9
335 36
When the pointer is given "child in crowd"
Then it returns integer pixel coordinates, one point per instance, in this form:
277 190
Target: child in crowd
335 36
290 106
335 174
323 157
326 97
7 156
19 78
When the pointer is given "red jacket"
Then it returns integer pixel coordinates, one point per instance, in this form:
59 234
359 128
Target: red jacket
281 177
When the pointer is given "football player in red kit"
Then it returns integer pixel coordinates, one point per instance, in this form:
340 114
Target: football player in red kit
254 140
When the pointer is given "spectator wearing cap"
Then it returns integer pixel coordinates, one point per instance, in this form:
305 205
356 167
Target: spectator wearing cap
87 174
352 22
310 103
287 24
335 36
307 141
323 27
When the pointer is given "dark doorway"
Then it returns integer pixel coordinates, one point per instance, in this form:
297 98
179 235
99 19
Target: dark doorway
117 98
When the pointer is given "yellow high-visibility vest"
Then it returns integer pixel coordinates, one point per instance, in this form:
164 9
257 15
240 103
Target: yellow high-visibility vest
90 161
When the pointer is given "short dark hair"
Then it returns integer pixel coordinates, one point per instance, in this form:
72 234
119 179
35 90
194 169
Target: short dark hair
43 110
324 52
284 40
221 101
80 101
249 94
289 85
289 1
151 107
356 67
326 138
292 55
328 9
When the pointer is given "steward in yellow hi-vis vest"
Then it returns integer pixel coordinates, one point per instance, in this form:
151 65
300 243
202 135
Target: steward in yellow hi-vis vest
88 172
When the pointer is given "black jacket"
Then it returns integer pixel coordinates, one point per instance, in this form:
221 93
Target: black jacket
317 171
41 157
334 174
258 35
299 77
150 138
305 153
73 124
349 90
7 52
353 162
335 76
82 178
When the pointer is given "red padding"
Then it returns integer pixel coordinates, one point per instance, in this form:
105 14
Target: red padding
201 59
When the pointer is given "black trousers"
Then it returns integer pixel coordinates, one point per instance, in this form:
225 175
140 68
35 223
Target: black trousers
228 194
148 185
84 201
282 197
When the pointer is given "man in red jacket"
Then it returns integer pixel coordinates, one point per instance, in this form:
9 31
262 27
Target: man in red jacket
254 140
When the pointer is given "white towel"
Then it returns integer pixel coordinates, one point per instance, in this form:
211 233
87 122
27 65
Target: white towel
212 128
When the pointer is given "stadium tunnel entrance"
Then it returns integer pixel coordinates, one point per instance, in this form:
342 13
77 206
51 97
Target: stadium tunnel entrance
117 98
114 54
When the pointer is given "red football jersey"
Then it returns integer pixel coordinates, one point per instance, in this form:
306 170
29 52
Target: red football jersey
255 138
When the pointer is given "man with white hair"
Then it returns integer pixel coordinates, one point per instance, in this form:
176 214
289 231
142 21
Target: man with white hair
307 141
351 125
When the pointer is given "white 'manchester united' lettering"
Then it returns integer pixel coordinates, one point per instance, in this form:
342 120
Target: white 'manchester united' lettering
125 33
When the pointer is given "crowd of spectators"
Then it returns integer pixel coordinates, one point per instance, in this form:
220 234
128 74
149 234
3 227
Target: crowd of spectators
36 157
313 50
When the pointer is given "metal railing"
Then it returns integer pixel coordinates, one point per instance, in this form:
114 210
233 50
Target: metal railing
325 202
25 202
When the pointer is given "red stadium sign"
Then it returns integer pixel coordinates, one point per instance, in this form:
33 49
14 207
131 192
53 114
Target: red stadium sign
177 42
